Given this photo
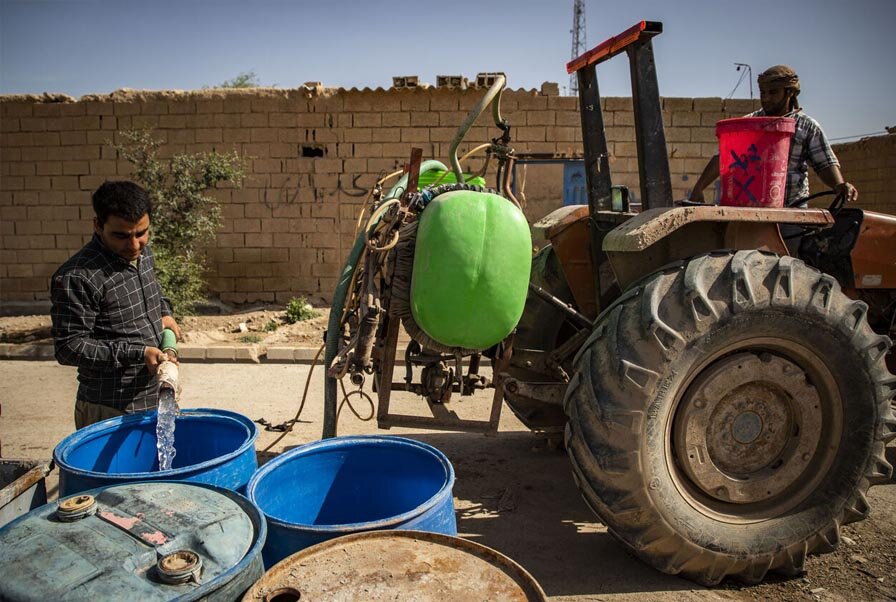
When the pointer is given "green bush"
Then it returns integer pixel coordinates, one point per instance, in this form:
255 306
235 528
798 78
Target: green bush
184 218
246 79
251 338
298 310
271 326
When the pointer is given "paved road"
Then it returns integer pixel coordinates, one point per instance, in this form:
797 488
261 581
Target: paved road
513 492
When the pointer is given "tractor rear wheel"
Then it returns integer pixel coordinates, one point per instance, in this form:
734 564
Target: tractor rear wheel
728 415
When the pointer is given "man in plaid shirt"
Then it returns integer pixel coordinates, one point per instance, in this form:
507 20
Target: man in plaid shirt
779 87
108 310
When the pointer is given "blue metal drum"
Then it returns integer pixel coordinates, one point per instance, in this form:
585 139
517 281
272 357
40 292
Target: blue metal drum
213 446
349 484
158 540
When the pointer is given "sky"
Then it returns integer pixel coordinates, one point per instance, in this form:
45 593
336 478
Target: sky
843 50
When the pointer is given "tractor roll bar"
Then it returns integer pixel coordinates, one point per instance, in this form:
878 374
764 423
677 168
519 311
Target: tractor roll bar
610 48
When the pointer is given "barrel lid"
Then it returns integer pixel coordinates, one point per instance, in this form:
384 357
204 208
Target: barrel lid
143 541
402 565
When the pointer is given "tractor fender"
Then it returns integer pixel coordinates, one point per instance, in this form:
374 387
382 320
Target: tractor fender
658 237
653 225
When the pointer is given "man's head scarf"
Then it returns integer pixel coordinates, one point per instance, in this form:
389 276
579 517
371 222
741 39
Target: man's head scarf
779 77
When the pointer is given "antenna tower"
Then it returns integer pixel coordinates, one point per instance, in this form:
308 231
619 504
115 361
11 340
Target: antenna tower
578 41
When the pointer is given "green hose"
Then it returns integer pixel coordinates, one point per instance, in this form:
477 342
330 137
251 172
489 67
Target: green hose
338 305
493 97
169 341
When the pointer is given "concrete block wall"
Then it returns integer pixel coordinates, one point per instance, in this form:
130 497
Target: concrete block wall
312 154
870 165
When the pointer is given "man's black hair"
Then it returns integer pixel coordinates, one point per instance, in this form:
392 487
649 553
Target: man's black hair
126 200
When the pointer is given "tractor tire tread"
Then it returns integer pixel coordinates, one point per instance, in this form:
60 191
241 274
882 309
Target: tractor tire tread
623 365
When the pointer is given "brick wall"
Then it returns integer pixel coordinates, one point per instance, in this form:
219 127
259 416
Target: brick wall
312 153
870 165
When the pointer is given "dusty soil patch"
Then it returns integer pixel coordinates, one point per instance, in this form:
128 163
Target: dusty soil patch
263 326
513 493
25 329
266 327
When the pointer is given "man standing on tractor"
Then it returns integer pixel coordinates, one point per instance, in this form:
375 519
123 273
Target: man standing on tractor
779 87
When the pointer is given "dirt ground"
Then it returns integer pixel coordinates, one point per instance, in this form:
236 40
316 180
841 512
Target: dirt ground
265 326
513 492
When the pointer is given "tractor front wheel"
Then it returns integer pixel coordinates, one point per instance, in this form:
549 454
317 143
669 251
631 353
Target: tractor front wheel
728 414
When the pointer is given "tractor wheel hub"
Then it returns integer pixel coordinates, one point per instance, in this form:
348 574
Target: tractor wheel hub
747 427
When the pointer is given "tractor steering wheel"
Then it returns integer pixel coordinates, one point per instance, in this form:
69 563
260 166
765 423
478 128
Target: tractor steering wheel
836 205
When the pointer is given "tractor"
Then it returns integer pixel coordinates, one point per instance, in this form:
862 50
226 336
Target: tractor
725 402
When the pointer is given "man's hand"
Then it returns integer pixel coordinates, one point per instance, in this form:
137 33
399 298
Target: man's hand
168 322
153 356
696 196
847 189
832 177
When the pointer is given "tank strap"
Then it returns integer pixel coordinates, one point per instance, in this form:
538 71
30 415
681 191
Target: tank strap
420 199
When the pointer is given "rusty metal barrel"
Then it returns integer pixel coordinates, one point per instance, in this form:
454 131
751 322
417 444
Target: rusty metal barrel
396 565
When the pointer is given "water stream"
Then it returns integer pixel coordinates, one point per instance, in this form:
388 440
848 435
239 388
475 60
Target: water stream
165 428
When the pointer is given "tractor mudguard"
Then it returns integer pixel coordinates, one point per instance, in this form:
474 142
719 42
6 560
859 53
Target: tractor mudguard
657 237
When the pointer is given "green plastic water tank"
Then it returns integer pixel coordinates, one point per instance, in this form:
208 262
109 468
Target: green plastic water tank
428 178
471 269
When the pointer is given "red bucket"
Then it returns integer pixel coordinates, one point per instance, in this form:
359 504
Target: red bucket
753 153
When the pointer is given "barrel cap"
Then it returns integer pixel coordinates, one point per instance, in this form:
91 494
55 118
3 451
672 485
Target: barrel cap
179 567
76 507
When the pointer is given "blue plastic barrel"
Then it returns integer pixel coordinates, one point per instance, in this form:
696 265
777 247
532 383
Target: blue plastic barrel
213 446
153 541
349 484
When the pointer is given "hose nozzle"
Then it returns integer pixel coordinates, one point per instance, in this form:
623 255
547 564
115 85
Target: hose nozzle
168 371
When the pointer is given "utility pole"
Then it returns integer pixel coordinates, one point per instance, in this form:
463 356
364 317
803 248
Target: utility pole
578 41
749 75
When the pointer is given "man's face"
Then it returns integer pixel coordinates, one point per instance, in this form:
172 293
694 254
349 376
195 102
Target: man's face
124 238
776 101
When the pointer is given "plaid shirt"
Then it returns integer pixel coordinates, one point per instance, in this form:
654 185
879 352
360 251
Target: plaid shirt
105 312
809 146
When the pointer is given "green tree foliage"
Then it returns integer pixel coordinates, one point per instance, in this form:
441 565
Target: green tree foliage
184 217
246 79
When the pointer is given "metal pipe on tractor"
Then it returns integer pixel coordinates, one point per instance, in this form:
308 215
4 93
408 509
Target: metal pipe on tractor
725 402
